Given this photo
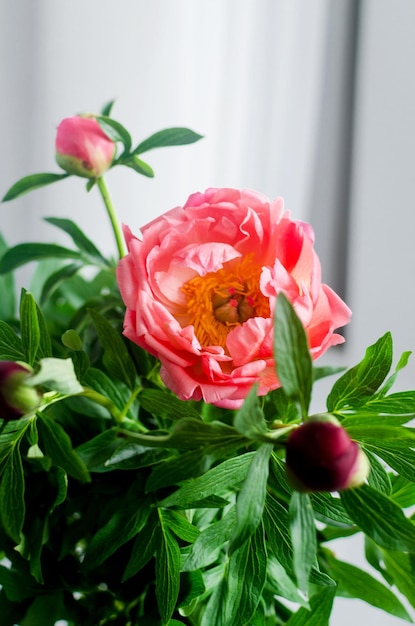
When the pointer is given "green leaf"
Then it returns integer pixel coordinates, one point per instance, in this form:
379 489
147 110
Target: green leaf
329 509
133 456
402 363
227 474
249 420
189 433
45 343
168 137
115 131
205 549
401 568
26 252
378 476
380 518
179 525
403 492
144 547
251 498
276 524
361 382
12 488
79 238
167 574
107 108
321 604
128 518
11 348
293 360
29 183
17 586
7 289
355 583
282 585
163 403
29 327
236 598
57 444
138 165
303 537
116 358
97 450
399 455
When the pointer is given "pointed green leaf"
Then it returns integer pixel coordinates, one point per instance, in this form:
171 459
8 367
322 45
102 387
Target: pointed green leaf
138 165
11 348
57 444
163 403
12 488
251 498
303 537
29 327
129 517
168 137
78 237
205 549
292 355
216 480
116 357
144 547
380 518
249 420
361 382
321 605
115 131
167 574
355 583
7 289
401 568
179 525
25 252
29 183
107 108
236 598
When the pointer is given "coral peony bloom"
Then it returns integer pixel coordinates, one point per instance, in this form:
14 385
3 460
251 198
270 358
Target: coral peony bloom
322 457
16 398
82 147
200 290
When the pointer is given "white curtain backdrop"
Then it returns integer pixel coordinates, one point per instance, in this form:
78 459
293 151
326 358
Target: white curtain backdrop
312 100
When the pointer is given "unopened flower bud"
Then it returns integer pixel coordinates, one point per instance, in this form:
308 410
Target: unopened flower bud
320 456
16 398
82 147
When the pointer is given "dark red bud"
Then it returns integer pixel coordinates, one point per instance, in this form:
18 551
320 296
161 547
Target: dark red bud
320 456
16 398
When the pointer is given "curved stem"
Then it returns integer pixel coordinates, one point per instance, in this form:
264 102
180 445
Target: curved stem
102 186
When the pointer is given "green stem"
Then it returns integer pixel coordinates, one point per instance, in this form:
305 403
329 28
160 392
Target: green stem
102 186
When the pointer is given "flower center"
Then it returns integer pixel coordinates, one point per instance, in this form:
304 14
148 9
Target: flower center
222 300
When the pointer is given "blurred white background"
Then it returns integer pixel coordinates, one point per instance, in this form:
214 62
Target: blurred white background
312 100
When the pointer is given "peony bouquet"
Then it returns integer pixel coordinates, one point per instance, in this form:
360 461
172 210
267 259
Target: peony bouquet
159 463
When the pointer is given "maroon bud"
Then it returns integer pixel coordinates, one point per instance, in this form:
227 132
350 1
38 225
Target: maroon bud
320 456
16 398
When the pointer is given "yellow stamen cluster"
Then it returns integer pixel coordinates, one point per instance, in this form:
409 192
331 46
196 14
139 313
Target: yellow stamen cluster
222 300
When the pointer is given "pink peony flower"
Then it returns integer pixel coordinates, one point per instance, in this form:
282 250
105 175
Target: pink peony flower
16 398
82 147
200 290
322 457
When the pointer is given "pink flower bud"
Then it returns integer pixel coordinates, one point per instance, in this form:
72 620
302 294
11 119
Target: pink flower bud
16 398
82 147
322 457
